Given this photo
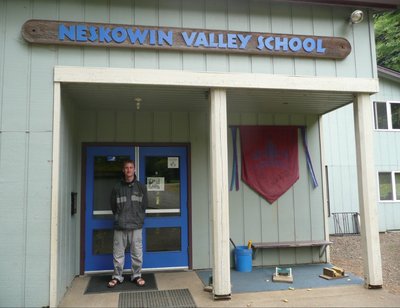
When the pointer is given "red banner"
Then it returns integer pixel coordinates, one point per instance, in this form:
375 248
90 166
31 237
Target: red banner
270 163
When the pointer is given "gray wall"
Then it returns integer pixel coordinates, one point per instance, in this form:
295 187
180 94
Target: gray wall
297 215
26 107
339 145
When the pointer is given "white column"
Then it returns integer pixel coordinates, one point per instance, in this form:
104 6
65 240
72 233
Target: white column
219 194
363 124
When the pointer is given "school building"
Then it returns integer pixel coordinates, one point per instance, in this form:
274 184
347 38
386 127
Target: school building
340 163
170 84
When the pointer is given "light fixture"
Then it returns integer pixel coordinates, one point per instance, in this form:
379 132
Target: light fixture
356 17
138 100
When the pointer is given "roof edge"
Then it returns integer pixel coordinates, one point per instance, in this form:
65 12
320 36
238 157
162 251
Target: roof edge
351 3
389 73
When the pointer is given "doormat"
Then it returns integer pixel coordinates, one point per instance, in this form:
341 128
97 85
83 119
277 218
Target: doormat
164 298
98 284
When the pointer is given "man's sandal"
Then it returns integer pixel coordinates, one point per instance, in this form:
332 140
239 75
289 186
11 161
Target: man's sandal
139 281
113 282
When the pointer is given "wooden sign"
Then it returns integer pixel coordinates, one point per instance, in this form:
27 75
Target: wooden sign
183 39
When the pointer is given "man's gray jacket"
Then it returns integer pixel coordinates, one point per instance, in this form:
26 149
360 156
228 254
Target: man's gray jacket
128 204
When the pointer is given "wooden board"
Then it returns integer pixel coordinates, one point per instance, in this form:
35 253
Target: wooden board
280 278
173 38
331 278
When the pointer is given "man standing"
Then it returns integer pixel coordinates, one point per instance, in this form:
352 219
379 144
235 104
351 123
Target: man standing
128 204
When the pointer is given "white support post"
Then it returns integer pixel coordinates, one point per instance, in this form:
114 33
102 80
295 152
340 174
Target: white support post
220 194
371 252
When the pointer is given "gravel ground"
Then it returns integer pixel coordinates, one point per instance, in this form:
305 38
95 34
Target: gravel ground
346 253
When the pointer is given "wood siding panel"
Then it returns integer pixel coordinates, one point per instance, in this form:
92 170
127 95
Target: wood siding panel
193 17
260 21
146 13
3 13
180 126
363 54
316 200
170 16
301 197
106 126
96 11
323 26
282 23
17 65
40 107
162 127
87 128
144 127
236 204
121 12
345 67
37 223
13 156
72 11
216 18
125 126
303 24
201 207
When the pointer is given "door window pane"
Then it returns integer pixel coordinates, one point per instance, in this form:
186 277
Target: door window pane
163 185
395 110
107 171
163 239
385 186
397 179
380 114
103 241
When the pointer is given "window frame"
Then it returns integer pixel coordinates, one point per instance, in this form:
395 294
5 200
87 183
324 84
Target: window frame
388 115
393 183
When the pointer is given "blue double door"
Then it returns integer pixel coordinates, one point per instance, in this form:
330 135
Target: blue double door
165 230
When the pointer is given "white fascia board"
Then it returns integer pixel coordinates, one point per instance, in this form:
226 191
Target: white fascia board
214 80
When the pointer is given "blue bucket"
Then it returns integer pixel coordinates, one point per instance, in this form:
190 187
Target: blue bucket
243 259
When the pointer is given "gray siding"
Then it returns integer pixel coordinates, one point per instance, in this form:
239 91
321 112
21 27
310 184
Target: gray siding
26 108
339 146
387 153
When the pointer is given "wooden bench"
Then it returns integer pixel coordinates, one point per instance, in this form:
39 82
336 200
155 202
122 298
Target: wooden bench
322 244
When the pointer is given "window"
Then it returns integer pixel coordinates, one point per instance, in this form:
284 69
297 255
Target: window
387 115
389 186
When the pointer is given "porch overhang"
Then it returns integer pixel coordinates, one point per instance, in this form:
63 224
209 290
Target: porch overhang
97 88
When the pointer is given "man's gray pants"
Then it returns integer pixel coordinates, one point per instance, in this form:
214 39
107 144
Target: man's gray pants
121 239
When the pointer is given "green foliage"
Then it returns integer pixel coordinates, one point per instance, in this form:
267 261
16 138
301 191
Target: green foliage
387 38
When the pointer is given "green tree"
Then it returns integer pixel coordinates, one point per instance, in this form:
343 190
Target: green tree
387 38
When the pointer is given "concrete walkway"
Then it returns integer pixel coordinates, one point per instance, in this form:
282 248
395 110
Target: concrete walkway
339 296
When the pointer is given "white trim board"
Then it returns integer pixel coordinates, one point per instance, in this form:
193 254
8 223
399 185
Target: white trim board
55 196
213 80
